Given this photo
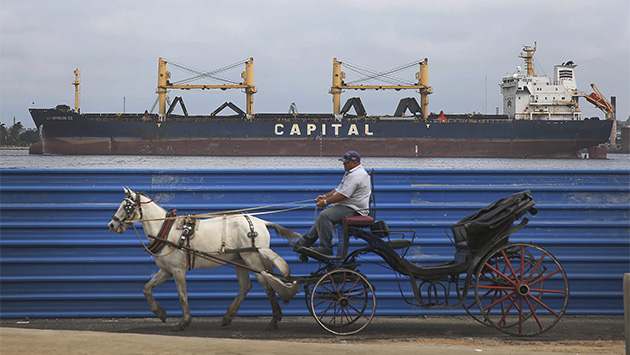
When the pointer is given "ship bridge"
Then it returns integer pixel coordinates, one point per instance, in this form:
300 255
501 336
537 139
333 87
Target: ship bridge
532 97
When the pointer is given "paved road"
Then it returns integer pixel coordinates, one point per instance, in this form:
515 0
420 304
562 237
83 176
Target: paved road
246 335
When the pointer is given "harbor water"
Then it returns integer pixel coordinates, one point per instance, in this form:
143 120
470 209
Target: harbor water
20 159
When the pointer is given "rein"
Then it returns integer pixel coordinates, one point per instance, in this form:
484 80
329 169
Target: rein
228 212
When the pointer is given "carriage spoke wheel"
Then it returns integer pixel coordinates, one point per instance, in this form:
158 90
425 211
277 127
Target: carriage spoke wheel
343 302
308 290
470 303
521 289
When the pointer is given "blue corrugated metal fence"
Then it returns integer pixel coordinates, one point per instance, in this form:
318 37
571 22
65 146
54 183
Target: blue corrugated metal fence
58 258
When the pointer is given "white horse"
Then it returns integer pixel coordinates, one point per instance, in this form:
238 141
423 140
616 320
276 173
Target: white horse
236 238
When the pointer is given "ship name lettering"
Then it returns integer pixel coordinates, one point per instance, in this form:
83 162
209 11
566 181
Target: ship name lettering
59 118
295 130
312 129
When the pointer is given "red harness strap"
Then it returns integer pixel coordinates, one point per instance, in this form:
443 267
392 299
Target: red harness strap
156 244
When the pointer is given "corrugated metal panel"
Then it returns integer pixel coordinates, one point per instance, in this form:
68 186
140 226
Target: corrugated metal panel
58 258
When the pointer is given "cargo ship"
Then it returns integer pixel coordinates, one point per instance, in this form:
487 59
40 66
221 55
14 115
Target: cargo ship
541 119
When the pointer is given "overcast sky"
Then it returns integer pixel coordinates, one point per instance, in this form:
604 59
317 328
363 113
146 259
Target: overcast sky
470 45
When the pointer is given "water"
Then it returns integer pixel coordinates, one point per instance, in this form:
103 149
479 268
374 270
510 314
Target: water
20 159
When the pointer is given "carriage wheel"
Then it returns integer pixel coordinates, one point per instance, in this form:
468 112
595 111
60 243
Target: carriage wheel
521 289
343 302
308 290
470 304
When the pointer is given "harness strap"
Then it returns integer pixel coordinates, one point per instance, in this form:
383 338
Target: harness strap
223 233
157 243
216 259
252 234
190 257
188 231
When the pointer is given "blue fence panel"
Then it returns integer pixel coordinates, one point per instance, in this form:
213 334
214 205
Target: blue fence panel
58 259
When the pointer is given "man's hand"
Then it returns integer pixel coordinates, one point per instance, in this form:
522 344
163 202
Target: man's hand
321 201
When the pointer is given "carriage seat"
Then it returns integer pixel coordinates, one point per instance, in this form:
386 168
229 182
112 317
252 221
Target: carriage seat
342 248
379 229
358 221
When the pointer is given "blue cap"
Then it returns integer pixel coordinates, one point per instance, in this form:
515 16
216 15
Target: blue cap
350 156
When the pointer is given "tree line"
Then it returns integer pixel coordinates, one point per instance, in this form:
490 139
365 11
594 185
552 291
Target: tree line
17 135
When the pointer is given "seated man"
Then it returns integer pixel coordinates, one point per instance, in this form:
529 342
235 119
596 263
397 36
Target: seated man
350 198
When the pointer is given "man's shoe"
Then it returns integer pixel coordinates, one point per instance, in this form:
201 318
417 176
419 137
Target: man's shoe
300 243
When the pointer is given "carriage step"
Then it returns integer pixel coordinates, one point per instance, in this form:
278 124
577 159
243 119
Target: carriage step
399 243
310 252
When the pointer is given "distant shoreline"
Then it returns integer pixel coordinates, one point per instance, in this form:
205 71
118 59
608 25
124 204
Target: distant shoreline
13 148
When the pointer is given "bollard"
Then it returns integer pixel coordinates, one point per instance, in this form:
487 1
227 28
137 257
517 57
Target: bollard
626 309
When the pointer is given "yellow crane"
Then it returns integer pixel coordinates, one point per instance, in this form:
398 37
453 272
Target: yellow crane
338 85
164 84
77 91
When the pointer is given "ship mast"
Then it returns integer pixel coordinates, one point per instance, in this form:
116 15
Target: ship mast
248 84
77 91
529 58
422 86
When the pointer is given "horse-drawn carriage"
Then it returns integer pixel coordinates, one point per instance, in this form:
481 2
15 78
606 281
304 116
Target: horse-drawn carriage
518 288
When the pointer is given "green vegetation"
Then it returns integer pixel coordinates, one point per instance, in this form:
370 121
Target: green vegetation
17 136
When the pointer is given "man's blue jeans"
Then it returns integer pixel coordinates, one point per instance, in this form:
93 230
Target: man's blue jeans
323 227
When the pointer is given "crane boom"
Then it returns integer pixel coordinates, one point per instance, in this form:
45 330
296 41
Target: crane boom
600 101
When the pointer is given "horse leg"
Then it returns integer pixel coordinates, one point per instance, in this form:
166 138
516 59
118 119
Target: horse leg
254 261
245 284
275 306
159 278
180 281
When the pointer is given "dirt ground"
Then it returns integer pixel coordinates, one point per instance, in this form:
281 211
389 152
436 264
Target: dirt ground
246 335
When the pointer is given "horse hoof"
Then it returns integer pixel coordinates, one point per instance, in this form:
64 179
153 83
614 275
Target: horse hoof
161 314
226 321
272 326
181 326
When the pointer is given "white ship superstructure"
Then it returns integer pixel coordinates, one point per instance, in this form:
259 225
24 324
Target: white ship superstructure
530 97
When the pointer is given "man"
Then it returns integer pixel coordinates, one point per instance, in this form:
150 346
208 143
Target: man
350 198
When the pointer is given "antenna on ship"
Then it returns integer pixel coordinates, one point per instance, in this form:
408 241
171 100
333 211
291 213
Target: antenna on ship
529 56
77 91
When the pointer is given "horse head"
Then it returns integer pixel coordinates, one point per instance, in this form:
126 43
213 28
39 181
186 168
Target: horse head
128 211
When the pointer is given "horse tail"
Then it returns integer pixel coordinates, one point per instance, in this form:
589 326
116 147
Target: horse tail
273 260
283 232
285 289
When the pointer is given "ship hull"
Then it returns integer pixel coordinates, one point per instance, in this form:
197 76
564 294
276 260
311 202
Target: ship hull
472 148
71 133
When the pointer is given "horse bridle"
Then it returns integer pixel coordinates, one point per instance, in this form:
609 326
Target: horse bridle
130 207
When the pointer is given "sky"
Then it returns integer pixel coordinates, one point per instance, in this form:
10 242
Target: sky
470 46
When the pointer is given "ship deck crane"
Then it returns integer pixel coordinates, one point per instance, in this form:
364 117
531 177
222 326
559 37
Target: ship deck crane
600 101
77 91
164 84
338 84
